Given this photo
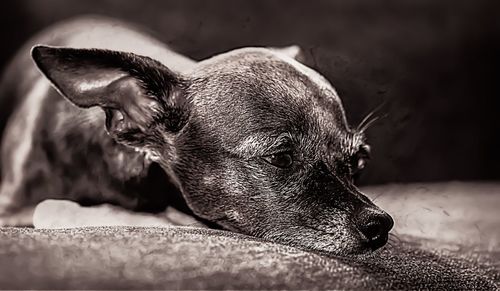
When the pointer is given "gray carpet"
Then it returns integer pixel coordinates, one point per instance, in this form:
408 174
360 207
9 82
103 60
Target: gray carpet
189 258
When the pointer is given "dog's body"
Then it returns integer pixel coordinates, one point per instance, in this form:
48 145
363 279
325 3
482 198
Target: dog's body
255 141
53 149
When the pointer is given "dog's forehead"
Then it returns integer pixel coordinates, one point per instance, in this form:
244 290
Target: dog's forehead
258 89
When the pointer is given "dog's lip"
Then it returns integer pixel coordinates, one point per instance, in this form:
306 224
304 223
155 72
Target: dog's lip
375 243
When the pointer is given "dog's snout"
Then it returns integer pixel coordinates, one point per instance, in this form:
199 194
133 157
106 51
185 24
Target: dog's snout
375 226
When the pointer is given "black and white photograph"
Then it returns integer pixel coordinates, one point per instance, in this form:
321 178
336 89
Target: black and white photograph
249 145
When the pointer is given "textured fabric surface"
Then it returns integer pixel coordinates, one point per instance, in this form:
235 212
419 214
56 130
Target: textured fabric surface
183 257
447 238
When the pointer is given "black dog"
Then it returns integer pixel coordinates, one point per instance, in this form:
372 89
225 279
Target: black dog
255 141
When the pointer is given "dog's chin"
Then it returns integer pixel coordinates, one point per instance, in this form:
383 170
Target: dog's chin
353 249
330 245
357 246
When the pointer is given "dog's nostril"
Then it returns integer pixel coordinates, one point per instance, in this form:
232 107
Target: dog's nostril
375 227
372 231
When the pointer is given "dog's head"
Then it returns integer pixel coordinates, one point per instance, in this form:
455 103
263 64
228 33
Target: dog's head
257 142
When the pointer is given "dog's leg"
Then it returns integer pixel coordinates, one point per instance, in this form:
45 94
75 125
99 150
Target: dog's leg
68 214
16 149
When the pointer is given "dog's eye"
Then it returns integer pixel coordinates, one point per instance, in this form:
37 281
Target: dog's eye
360 159
280 160
361 164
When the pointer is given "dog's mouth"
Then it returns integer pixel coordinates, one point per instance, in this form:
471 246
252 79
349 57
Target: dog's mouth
348 245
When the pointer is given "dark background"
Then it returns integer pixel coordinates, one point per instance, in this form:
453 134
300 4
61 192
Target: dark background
434 65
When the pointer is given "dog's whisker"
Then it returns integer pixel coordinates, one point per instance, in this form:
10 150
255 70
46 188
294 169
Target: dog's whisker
369 123
369 117
394 238
378 196
365 119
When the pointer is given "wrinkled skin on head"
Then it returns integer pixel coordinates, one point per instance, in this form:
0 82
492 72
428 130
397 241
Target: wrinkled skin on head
257 142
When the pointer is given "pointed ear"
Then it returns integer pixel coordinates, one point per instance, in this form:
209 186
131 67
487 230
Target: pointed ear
292 51
134 91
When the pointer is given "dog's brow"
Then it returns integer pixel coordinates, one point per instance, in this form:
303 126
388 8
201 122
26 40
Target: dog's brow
263 143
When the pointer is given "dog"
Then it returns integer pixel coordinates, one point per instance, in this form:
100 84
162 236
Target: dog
254 141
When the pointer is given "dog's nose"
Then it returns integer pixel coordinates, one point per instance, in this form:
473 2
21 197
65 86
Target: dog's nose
375 226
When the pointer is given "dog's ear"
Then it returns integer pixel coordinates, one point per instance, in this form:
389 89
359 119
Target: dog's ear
292 51
136 92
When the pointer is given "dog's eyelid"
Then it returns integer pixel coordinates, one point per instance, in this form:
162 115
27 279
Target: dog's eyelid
263 144
282 144
278 150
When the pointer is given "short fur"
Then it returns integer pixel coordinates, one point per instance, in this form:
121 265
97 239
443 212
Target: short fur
144 130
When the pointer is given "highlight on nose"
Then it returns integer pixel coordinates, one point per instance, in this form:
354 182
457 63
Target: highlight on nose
375 226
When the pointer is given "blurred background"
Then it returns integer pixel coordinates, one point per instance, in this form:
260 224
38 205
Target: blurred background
433 65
